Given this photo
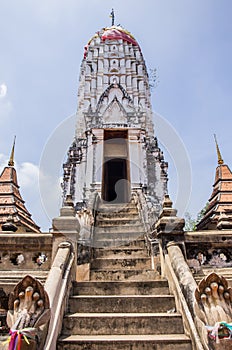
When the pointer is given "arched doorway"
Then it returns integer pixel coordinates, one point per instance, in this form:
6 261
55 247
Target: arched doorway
116 175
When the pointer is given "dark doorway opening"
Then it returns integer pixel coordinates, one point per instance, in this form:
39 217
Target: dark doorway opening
115 181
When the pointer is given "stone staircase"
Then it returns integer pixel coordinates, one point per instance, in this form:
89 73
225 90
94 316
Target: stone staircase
125 305
116 224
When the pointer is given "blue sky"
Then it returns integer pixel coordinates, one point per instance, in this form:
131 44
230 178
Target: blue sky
188 41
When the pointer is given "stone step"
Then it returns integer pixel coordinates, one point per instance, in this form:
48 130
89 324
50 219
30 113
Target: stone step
14 280
119 207
121 303
102 242
132 214
120 263
105 213
22 273
122 275
121 323
118 236
117 222
158 286
139 228
116 243
136 252
126 342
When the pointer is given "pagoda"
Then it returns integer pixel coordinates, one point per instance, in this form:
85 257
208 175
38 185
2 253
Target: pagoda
114 154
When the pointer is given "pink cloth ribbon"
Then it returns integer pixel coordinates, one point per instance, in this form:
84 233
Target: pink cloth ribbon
16 337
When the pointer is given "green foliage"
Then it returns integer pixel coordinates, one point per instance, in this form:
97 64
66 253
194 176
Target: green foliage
191 223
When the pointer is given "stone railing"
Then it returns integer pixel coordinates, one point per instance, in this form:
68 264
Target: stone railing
208 249
25 251
140 201
183 286
52 256
205 302
57 287
35 311
21 254
87 217
169 230
206 308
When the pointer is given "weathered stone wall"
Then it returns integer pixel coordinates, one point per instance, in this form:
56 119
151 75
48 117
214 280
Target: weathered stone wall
28 251
209 250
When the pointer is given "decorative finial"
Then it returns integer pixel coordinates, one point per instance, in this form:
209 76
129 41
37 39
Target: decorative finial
112 16
167 203
11 161
220 160
68 201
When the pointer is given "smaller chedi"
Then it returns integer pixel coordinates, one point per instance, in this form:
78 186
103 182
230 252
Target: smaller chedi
14 216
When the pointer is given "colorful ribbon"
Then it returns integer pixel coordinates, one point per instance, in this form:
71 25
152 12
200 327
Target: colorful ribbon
221 330
16 337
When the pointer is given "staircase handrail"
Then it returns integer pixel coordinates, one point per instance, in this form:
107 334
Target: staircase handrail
94 208
183 305
143 213
141 203
57 286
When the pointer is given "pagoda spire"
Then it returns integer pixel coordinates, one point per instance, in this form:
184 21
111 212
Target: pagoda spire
11 160
218 214
13 212
220 160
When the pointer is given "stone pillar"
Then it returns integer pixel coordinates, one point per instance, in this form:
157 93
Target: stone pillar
66 226
80 178
128 82
98 157
87 89
169 227
126 49
143 159
134 157
89 162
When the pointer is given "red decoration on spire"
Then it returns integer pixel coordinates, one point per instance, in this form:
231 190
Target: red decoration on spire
116 34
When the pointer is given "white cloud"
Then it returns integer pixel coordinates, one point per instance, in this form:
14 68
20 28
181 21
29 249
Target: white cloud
28 180
50 193
5 109
5 104
28 175
43 203
3 90
3 161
